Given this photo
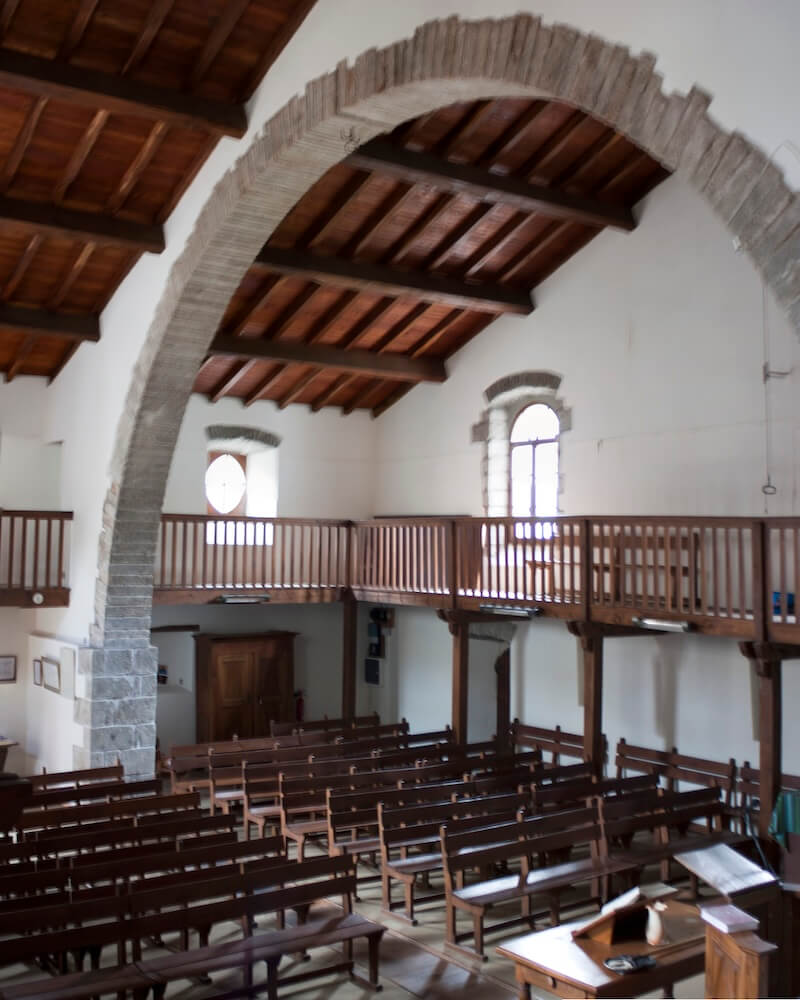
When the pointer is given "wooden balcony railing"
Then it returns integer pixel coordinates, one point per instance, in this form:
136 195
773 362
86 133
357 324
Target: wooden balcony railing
249 554
34 558
728 576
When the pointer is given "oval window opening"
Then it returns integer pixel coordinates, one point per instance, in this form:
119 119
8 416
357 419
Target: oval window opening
225 484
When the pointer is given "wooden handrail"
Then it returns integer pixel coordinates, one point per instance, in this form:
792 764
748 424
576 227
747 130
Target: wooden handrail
34 555
734 576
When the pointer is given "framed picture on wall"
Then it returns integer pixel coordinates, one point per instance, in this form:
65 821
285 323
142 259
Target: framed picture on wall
8 669
37 672
51 674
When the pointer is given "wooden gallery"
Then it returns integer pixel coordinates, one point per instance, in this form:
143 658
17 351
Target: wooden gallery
399 499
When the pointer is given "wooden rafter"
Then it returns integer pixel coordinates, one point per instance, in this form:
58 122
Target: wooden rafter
78 28
66 222
42 322
118 95
224 25
514 135
79 155
319 328
284 320
279 42
73 271
21 143
479 183
554 146
7 12
155 18
392 366
22 266
137 167
23 353
370 277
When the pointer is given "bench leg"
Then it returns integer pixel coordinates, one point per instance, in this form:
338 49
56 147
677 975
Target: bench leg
477 933
450 923
386 890
374 942
272 978
409 894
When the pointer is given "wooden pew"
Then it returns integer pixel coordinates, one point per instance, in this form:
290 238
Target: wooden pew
414 831
40 821
568 794
242 897
555 742
747 801
103 791
76 779
522 841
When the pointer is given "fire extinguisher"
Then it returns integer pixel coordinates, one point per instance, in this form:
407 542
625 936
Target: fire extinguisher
299 706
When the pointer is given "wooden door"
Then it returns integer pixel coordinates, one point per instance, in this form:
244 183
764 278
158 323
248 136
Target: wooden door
232 690
273 683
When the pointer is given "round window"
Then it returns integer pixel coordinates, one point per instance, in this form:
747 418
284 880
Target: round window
225 484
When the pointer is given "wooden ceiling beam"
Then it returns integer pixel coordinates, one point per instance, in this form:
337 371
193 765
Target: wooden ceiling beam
55 220
392 366
23 264
553 146
79 155
117 94
302 383
137 167
394 396
477 182
44 323
514 135
22 356
378 279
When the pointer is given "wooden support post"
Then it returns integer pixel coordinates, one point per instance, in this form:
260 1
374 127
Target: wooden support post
349 637
502 669
770 736
767 659
460 634
591 640
593 700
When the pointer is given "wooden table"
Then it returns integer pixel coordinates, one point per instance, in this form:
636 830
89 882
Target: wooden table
552 960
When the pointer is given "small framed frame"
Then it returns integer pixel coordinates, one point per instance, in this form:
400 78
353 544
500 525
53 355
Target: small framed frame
51 674
37 672
8 669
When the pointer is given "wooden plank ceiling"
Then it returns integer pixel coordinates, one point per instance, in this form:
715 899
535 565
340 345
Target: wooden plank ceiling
413 244
107 110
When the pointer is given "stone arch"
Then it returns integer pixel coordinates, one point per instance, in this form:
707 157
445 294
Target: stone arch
445 61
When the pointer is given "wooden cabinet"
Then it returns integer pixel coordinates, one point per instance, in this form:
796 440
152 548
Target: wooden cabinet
243 681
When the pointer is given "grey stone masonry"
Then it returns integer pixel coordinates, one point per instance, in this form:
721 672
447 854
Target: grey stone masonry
446 61
115 705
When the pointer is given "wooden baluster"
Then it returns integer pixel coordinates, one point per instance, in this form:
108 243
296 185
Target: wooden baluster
48 552
715 570
11 552
36 524
692 560
728 574
702 598
782 587
796 551
23 553
742 579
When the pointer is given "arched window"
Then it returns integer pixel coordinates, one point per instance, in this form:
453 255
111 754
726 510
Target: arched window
534 462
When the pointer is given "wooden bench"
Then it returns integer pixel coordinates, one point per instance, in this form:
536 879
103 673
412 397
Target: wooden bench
240 898
102 791
555 742
557 795
522 841
415 831
39 822
76 779
748 794
674 822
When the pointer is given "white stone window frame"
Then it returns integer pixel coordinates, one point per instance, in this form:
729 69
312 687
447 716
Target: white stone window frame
506 399
260 448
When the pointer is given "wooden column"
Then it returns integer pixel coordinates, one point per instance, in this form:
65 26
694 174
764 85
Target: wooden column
502 669
592 647
349 645
770 735
591 640
460 634
766 659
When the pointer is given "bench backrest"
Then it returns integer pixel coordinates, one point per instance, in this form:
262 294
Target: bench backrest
96 791
675 769
74 779
73 815
555 742
560 794
658 810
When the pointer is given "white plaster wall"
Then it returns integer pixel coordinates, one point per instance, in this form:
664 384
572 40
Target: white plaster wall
14 627
424 655
317 655
325 461
51 731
